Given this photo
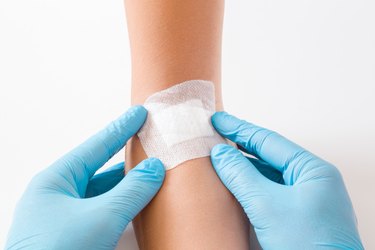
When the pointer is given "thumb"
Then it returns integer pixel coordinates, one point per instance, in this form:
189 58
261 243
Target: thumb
136 189
240 176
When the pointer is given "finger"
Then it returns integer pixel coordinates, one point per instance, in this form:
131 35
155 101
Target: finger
239 175
263 167
84 160
266 144
136 190
267 171
105 181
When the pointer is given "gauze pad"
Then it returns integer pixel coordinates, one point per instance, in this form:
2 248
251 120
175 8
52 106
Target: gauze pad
178 126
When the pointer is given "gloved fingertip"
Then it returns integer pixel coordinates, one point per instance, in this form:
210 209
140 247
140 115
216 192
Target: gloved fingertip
137 111
151 167
137 189
217 116
219 149
129 122
224 122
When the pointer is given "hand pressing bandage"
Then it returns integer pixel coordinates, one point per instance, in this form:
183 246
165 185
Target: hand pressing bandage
178 126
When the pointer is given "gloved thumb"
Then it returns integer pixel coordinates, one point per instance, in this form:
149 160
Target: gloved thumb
136 189
240 176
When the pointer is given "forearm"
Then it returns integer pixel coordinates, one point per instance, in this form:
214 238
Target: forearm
173 41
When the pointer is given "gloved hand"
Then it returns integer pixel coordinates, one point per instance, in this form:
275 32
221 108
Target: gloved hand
55 212
312 210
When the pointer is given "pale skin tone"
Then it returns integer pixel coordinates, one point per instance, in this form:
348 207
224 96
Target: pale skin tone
173 41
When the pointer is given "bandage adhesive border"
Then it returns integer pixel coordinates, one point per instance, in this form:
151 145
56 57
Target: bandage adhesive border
178 126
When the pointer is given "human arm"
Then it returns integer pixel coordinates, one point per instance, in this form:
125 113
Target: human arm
171 42
312 210
66 206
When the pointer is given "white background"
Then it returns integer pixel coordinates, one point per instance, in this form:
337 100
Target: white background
303 68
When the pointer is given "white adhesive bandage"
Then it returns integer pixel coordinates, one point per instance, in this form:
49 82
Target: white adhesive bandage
178 126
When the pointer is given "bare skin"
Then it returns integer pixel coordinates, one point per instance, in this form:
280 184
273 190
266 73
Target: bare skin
173 41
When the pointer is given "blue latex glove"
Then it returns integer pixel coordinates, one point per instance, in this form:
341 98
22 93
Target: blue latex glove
55 211
312 210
